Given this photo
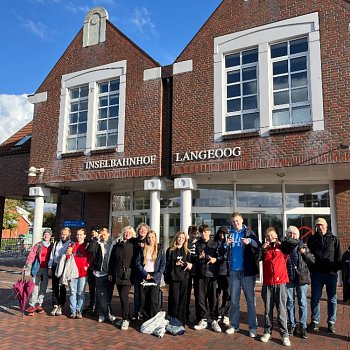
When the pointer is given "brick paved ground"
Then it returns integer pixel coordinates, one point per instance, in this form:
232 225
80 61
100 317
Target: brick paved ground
48 332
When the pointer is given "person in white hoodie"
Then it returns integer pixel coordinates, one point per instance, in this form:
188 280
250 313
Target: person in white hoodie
58 291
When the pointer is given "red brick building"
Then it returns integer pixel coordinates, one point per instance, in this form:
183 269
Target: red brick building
253 116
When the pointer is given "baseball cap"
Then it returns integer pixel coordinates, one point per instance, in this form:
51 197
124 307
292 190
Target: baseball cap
320 221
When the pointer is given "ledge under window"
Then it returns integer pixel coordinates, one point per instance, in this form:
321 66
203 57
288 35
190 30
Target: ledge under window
240 135
291 129
103 150
72 154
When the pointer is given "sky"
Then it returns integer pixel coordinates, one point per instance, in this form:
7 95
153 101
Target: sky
35 34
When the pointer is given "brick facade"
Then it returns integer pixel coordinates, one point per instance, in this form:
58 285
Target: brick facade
91 207
175 114
342 193
142 113
194 95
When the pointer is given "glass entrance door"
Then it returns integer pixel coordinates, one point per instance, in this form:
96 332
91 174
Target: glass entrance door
259 222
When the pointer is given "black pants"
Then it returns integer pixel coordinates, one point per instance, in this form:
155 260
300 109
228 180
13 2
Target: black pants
149 301
177 300
104 290
205 295
223 288
58 292
92 289
190 283
123 291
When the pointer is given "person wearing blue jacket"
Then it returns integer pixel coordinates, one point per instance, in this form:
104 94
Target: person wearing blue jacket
150 266
243 258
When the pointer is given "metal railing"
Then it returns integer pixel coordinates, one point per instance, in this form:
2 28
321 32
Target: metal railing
14 247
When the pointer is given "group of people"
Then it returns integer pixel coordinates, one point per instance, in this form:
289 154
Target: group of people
217 269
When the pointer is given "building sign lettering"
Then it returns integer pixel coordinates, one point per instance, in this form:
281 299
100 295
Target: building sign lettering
119 163
208 154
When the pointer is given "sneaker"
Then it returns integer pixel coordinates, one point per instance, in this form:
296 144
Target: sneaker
39 309
101 319
291 330
119 322
313 326
230 330
252 333
54 310
215 327
303 333
286 341
202 324
125 325
79 316
265 337
331 327
72 315
30 310
226 321
111 318
59 311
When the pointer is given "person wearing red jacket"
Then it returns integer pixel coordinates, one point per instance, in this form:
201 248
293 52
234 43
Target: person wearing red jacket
77 285
39 254
274 289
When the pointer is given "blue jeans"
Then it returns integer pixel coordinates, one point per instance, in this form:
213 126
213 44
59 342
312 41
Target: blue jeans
77 294
237 281
318 280
301 292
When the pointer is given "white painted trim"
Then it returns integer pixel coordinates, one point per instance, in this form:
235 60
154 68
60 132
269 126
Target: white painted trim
183 67
37 98
92 76
152 73
262 37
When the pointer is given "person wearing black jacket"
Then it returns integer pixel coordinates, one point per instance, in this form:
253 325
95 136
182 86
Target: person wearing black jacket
223 282
150 266
176 275
121 271
91 248
298 263
191 245
328 254
141 230
205 282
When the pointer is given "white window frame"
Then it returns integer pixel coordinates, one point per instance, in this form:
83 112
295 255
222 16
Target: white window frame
263 37
115 70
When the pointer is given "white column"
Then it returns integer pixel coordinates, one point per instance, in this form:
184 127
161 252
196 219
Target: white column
155 211
186 210
39 193
166 221
186 185
154 186
38 219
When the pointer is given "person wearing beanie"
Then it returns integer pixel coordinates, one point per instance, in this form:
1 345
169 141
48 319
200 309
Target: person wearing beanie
37 266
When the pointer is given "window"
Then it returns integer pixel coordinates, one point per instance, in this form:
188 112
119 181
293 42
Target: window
268 77
108 110
23 140
242 90
92 113
291 103
77 120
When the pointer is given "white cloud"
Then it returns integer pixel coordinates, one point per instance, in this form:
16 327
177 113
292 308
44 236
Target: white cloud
36 28
71 7
15 112
141 19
